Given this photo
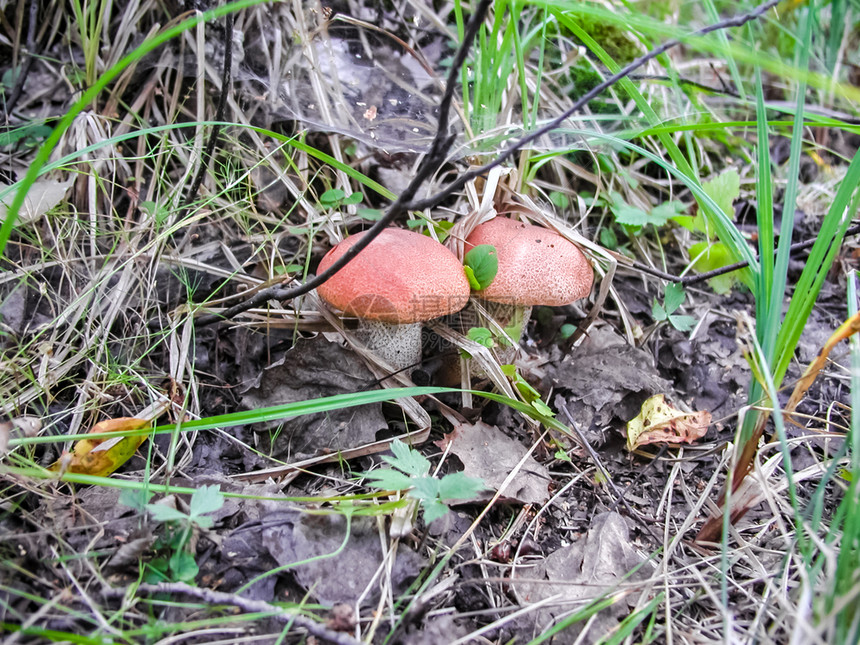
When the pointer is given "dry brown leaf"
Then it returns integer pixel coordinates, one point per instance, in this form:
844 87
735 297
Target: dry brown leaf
101 457
660 421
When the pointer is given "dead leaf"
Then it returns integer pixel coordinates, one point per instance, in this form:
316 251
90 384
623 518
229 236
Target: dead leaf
488 453
660 421
581 572
101 457
42 197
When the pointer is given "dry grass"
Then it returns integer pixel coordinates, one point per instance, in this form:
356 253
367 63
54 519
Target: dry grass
101 285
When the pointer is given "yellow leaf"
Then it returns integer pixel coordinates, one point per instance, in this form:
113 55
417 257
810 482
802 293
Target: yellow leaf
101 457
659 421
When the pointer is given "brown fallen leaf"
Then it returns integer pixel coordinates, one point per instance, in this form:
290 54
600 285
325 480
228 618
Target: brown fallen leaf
100 457
660 421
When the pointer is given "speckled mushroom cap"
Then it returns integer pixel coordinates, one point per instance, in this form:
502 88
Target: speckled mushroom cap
537 266
401 277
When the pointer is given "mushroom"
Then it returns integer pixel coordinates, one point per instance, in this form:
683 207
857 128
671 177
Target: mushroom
537 266
400 280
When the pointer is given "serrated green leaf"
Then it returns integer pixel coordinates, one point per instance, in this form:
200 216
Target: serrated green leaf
674 297
206 499
135 499
425 489
389 479
459 486
657 311
662 213
164 513
484 263
408 460
724 189
626 214
482 336
433 510
682 323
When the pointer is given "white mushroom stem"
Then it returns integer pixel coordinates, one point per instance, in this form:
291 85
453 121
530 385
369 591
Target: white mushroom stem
397 345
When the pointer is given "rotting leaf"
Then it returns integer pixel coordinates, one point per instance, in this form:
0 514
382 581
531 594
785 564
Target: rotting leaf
659 421
100 457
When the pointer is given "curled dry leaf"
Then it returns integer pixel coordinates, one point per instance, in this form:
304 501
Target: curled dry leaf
660 421
100 457
27 426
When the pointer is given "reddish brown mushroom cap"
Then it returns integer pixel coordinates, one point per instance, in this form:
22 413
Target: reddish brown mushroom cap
537 266
401 277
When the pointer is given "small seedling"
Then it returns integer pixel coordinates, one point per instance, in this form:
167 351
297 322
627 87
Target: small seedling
410 472
673 298
175 562
335 198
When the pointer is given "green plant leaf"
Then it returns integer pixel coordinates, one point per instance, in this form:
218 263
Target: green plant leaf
674 297
711 256
183 567
408 460
460 486
682 323
369 214
332 197
353 199
657 312
389 479
724 189
433 510
559 200
206 499
164 513
482 336
135 499
484 264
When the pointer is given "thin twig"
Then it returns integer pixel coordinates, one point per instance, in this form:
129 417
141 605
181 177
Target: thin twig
442 143
247 605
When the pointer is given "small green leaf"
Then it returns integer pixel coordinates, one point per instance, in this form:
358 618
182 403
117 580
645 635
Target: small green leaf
724 189
459 486
165 513
542 408
484 263
567 330
662 213
674 297
482 336
433 510
332 197
608 238
135 499
389 479
657 312
474 285
559 200
183 567
408 460
626 214
206 499
682 323
354 198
